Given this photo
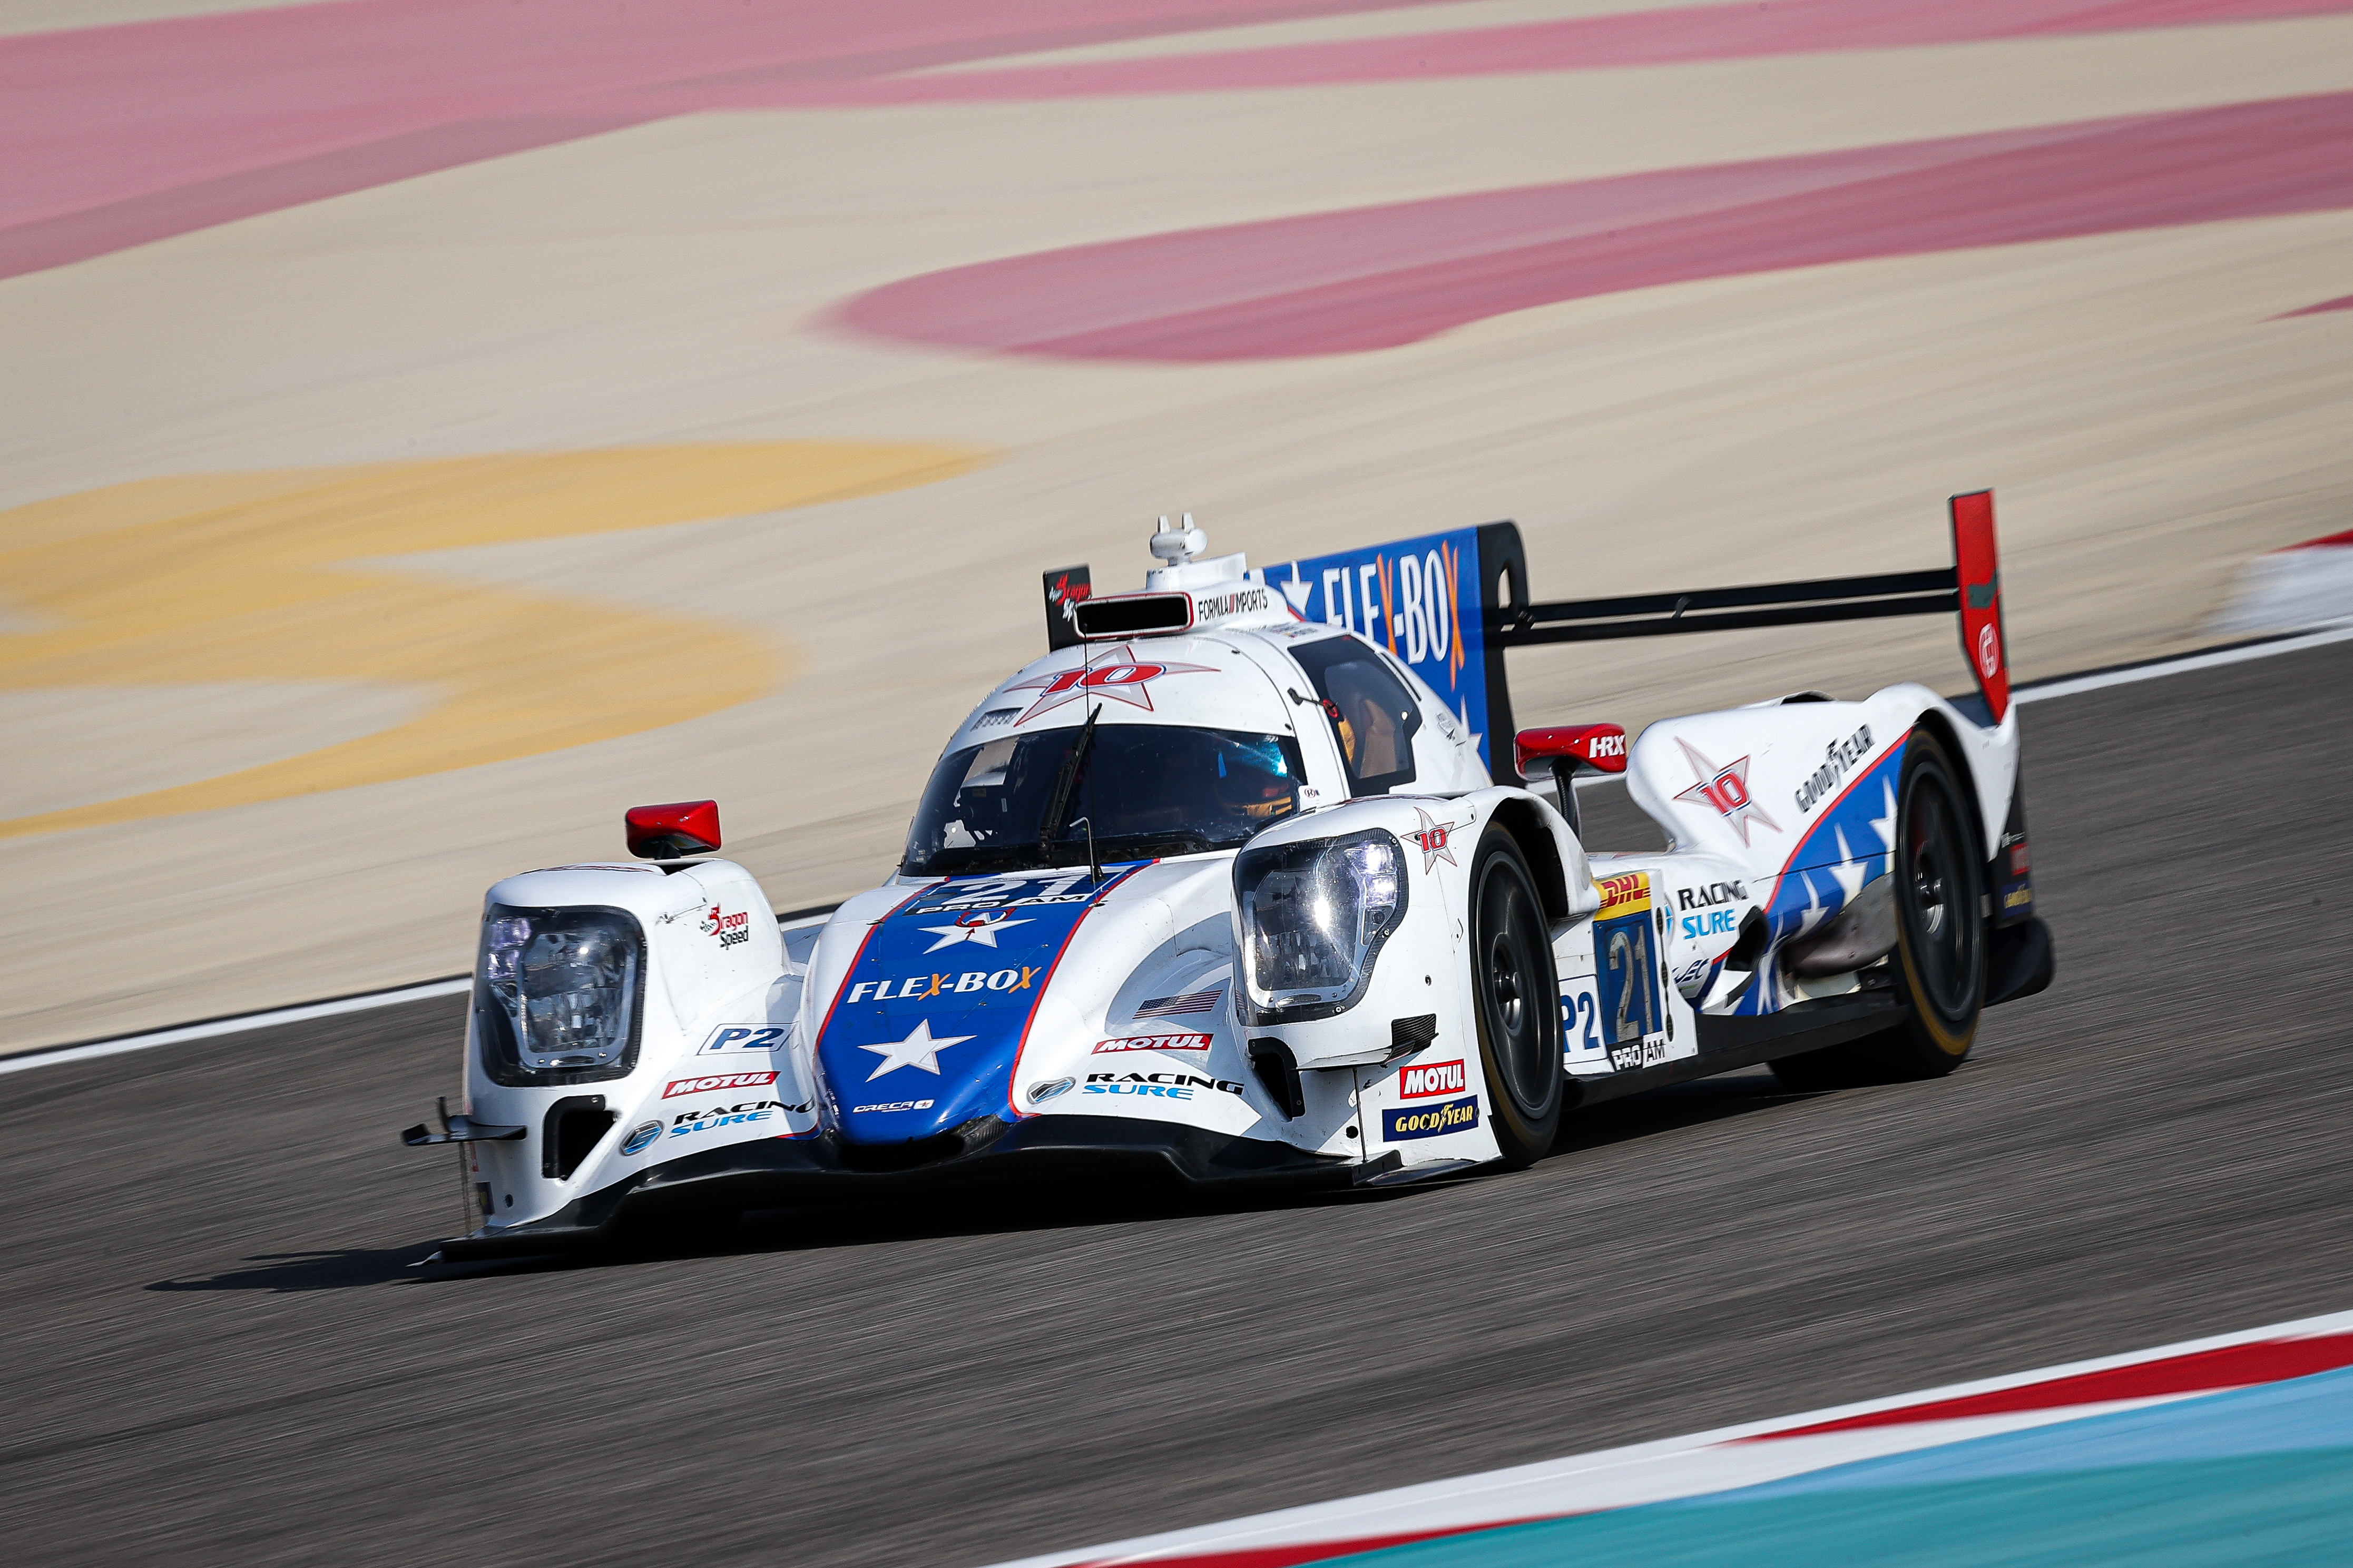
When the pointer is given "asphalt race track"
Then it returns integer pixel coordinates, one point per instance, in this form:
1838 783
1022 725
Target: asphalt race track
219 1353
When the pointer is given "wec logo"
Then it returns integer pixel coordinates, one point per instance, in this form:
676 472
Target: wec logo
1429 1078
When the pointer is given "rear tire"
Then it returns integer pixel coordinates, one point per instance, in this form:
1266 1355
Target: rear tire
1940 948
1515 1001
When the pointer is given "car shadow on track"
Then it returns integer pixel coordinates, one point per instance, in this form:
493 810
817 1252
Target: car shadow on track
294 1272
1001 1208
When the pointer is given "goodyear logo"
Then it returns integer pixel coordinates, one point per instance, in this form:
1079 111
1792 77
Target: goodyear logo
1431 1121
1629 894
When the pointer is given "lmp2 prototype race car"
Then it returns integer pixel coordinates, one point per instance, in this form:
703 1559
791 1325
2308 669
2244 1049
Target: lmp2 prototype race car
1250 879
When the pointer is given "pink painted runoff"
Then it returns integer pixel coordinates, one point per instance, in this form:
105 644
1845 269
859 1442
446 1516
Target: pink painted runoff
1375 277
116 136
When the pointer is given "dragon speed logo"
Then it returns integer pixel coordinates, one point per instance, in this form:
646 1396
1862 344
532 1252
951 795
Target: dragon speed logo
733 931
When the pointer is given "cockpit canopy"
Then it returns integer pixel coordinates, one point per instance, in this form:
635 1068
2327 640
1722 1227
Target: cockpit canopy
1147 790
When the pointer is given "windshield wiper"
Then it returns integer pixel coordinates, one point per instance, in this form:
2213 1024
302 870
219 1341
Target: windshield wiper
1158 843
1050 828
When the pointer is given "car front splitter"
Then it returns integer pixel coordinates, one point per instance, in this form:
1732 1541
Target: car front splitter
798 1172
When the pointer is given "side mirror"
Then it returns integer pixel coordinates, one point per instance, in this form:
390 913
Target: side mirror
668 832
1563 750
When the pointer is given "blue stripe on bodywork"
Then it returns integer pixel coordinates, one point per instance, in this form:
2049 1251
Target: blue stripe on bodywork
970 958
1855 833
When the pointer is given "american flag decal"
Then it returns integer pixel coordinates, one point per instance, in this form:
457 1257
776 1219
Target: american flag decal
1190 1002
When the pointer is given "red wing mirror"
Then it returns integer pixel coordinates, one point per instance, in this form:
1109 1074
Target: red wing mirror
667 832
1565 748
1601 747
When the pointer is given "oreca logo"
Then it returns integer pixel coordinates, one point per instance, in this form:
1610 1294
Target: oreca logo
1989 651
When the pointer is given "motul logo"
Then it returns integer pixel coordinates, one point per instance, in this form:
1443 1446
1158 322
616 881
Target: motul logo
1430 1078
718 1081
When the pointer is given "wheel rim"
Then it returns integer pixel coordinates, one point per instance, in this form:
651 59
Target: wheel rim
1510 979
1936 881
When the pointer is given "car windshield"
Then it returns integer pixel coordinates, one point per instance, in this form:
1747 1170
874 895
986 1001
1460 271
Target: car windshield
1148 789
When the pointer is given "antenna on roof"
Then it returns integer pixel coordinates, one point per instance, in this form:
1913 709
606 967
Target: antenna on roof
1180 544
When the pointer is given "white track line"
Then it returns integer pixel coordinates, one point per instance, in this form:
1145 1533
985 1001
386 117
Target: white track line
237 1026
2069 685
2041 691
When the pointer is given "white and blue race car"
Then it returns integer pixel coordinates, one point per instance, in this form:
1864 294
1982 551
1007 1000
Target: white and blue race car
1242 882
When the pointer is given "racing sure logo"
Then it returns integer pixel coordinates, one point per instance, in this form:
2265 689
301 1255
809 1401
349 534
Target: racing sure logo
686 1123
1156 1085
1707 911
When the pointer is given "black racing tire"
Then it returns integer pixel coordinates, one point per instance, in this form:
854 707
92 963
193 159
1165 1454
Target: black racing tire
1940 947
1515 1001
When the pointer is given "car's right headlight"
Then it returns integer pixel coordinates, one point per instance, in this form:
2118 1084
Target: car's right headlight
556 996
1311 918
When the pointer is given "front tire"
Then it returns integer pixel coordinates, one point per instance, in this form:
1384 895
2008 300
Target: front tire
1515 1001
1940 947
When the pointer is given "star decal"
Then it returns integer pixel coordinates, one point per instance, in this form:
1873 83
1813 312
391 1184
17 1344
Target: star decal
980 926
1813 913
1886 826
1849 873
1114 672
1431 837
1724 789
917 1050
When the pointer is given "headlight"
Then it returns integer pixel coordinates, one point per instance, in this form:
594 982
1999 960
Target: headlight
1312 920
556 998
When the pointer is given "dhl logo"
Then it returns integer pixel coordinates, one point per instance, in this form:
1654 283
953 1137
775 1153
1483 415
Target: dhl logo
1626 894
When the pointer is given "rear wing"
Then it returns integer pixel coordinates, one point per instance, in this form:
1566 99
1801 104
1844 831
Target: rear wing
1970 587
1449 605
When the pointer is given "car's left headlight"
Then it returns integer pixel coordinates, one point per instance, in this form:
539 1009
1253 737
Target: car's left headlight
1311 918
